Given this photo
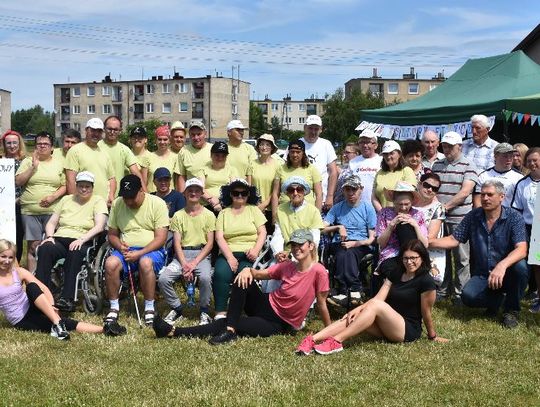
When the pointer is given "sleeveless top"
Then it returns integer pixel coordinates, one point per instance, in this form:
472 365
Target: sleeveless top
14 302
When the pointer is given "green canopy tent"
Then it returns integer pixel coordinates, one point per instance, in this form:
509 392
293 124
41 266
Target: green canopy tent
481 86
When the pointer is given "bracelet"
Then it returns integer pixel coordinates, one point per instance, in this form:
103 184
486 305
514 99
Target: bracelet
432 338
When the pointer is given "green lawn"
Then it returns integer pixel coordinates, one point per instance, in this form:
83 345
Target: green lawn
484 364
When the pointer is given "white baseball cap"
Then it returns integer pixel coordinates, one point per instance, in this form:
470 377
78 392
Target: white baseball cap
235 124
368 134
313 120
85 176
452 138
95 123
390 146
194 182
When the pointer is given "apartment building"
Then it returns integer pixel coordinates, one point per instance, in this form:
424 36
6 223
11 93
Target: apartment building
394 90
214 99
5 111
291 114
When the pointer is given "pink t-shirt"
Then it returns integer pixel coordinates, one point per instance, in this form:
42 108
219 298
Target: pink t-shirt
292 300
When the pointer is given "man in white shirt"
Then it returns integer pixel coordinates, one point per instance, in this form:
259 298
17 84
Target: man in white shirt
322 155
430 141
366 165
479 149
502 171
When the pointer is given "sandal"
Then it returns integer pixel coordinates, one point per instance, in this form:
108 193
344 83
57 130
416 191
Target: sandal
149 317
112 316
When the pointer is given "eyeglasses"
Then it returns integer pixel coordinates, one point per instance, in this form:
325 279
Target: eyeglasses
410 259
242 193
292 190
43 144
113 130
427 185
348 152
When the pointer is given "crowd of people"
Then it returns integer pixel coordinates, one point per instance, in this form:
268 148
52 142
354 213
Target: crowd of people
437 225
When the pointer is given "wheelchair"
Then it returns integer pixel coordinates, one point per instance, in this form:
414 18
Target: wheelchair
84 281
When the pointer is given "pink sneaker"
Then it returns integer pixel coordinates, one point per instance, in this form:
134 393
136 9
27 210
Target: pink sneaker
328 346
306 346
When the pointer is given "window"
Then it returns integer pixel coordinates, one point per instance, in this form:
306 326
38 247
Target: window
106 91
376 89
289 108
77 126
198 90
197 110
301 120
64 95
76 109
275 107
263 107
149 108
311 108
413 88
149 89
91 109
288 120
166 88
76 91
166 108
301 107
393 88
182 88
107 109
91 91
183 107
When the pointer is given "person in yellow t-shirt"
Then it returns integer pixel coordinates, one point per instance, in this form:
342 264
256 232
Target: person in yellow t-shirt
194 156
69 138
215 174
138 226
44 184
138 138
241 153
264 170
240 235
193 228
177 137
121 156
76 220
162 157
88 156
297 164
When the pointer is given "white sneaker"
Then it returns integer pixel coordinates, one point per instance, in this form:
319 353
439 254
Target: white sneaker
173 317
204 319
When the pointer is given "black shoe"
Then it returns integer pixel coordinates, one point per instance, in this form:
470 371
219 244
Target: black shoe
113 329
65 305
161 328
223 337
510 319
457 302
59 331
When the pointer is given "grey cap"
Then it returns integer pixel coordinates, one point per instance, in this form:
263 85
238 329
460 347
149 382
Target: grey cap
295 179
301 236
197 123
504 148
352 181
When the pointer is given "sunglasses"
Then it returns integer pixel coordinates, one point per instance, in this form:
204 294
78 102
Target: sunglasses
427 185
292 190
243 193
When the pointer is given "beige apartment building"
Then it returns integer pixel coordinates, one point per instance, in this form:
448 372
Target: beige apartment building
5 111
290 113
395 90
213 99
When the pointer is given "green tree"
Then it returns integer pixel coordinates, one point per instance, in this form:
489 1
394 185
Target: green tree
32 121
150 126
342 115
257 122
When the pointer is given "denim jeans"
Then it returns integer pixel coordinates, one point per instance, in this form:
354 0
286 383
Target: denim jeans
477 294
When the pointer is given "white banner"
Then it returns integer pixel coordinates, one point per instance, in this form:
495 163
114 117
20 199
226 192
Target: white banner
390 131
7 199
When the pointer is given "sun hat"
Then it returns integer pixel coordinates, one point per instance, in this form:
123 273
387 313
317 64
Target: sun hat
401 187
295 180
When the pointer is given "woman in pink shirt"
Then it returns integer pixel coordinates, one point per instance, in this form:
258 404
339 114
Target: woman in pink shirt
281 311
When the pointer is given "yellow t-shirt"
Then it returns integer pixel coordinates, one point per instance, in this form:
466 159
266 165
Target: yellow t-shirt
137 226
48 177
76 219
240 231
191 160
309 173
193 229
241 158
307 217
215 179
156 162
263 176
121 157
384 179
81 157
58 154
143 159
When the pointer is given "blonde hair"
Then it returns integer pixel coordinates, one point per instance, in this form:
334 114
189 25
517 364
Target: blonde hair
7 245
522 150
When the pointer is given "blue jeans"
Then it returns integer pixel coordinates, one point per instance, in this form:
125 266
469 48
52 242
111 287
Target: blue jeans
477 294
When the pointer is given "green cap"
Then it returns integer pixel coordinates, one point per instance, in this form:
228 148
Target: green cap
301 236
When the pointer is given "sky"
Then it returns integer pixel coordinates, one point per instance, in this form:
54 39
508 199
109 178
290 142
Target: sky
282 47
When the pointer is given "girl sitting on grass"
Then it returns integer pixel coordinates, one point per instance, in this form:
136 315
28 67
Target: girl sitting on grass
395 313
32 309
281 311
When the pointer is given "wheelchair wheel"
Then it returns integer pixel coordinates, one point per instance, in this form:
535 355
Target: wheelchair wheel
92 304
97 277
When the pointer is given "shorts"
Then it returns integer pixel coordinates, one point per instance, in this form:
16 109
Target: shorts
34 226
413 331
158 258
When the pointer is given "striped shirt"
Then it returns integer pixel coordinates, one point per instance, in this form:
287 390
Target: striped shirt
525 197
453 175
481 155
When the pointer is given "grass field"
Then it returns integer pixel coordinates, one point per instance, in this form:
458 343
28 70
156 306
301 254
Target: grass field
483 364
